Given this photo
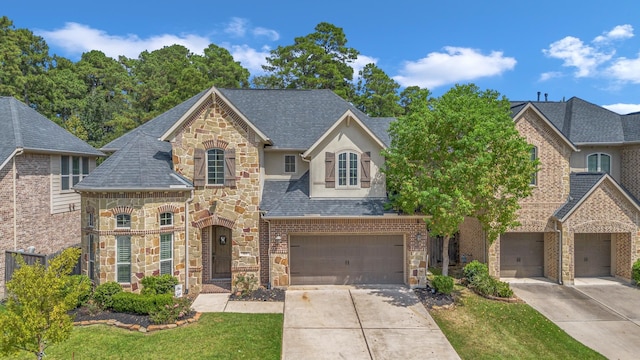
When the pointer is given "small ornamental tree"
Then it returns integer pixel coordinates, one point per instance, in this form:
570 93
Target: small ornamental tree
38 300
459 156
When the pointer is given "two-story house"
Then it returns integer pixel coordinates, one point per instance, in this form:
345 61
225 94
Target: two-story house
40 162
282 185
583 217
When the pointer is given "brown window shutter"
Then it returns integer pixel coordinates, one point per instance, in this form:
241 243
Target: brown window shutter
199 167
330 170
365 167
230 167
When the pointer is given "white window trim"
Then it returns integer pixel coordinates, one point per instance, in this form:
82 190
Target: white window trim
599 162
337 171
207 168
123 227
295 164
170 219
81 168
118 262
170 259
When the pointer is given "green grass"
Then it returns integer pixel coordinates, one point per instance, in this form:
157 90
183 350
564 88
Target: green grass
479 328
214 336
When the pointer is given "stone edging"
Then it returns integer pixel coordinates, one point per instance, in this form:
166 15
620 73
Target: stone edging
136 327
507 300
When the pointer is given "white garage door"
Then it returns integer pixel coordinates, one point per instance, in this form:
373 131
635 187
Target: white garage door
592 255
346 259
522 255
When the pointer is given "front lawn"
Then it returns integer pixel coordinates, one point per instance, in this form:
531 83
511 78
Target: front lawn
214 336
486 329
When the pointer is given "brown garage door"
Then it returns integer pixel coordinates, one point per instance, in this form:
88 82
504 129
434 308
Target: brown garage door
346 259
522 255
592 255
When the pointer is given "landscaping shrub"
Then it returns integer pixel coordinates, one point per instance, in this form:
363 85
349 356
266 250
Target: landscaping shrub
443 284
163 284
472 269
81 283
635 272
103 294
244 284
131 303
170 313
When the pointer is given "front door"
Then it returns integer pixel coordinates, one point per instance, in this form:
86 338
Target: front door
220 253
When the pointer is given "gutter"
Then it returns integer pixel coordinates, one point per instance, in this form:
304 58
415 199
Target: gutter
268 246
186 241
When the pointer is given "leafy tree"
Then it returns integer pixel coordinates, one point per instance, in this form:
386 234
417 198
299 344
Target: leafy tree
459 156
37 304
377 93
320 60
413 95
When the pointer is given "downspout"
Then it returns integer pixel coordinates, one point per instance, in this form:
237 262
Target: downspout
20 151
186 241
268 247
559 232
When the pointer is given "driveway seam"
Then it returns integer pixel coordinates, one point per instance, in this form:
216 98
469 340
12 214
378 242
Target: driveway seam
606 306
364 336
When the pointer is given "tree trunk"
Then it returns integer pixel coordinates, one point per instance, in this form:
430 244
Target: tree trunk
445 255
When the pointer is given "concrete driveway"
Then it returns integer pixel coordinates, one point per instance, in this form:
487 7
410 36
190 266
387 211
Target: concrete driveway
603 314
341 322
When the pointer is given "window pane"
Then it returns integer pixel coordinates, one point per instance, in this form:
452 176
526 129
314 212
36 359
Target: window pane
85 166
342 169
76 165
353 169
165 246
534 156
592 163
605 163
124 273
64 165
289 163
165 267
124 249
166 219
215 167
123 220
64 183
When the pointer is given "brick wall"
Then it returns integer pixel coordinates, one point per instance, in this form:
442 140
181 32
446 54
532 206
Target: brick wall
629 165
35 224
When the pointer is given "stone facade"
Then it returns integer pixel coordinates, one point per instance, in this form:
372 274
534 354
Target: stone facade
278 252
35 225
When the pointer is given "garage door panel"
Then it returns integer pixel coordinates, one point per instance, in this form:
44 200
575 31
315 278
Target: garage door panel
346 259
522 255
592 255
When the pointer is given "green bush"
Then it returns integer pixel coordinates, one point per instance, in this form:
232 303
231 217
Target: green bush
245 284
131 303
82 284
103 294
473 269
170 313
163 284
443 284
503 290
635 272
488 285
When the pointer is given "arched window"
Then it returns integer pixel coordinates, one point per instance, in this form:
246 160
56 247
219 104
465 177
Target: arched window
599 162
215 167
347 169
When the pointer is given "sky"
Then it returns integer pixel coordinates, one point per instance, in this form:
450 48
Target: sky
588 49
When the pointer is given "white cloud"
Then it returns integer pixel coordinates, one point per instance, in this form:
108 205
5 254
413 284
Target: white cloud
249 57
270 34
550 75
360 63
623 108
577 54
237 27
455 64
617 33
77 38
626 70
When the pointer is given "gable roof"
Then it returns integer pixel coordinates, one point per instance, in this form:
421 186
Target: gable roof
21 127
143 163
518 109
581 186
585 123
290 198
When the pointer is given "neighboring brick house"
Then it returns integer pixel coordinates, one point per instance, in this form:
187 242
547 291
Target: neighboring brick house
40 163
284 185
582 219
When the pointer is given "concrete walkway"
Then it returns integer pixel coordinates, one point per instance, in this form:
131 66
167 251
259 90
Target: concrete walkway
342 322
603 314
221 303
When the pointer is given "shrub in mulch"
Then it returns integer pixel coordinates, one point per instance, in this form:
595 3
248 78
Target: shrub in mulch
259 294
432 299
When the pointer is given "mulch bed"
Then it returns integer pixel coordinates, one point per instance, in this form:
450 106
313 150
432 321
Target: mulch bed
432 299
83 314
260 294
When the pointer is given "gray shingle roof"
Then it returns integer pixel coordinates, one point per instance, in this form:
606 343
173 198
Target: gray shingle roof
579 184
290 198
23 127
295 119
143 163
583 122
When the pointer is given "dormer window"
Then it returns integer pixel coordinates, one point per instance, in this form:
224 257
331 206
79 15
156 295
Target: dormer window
347 169
599 162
